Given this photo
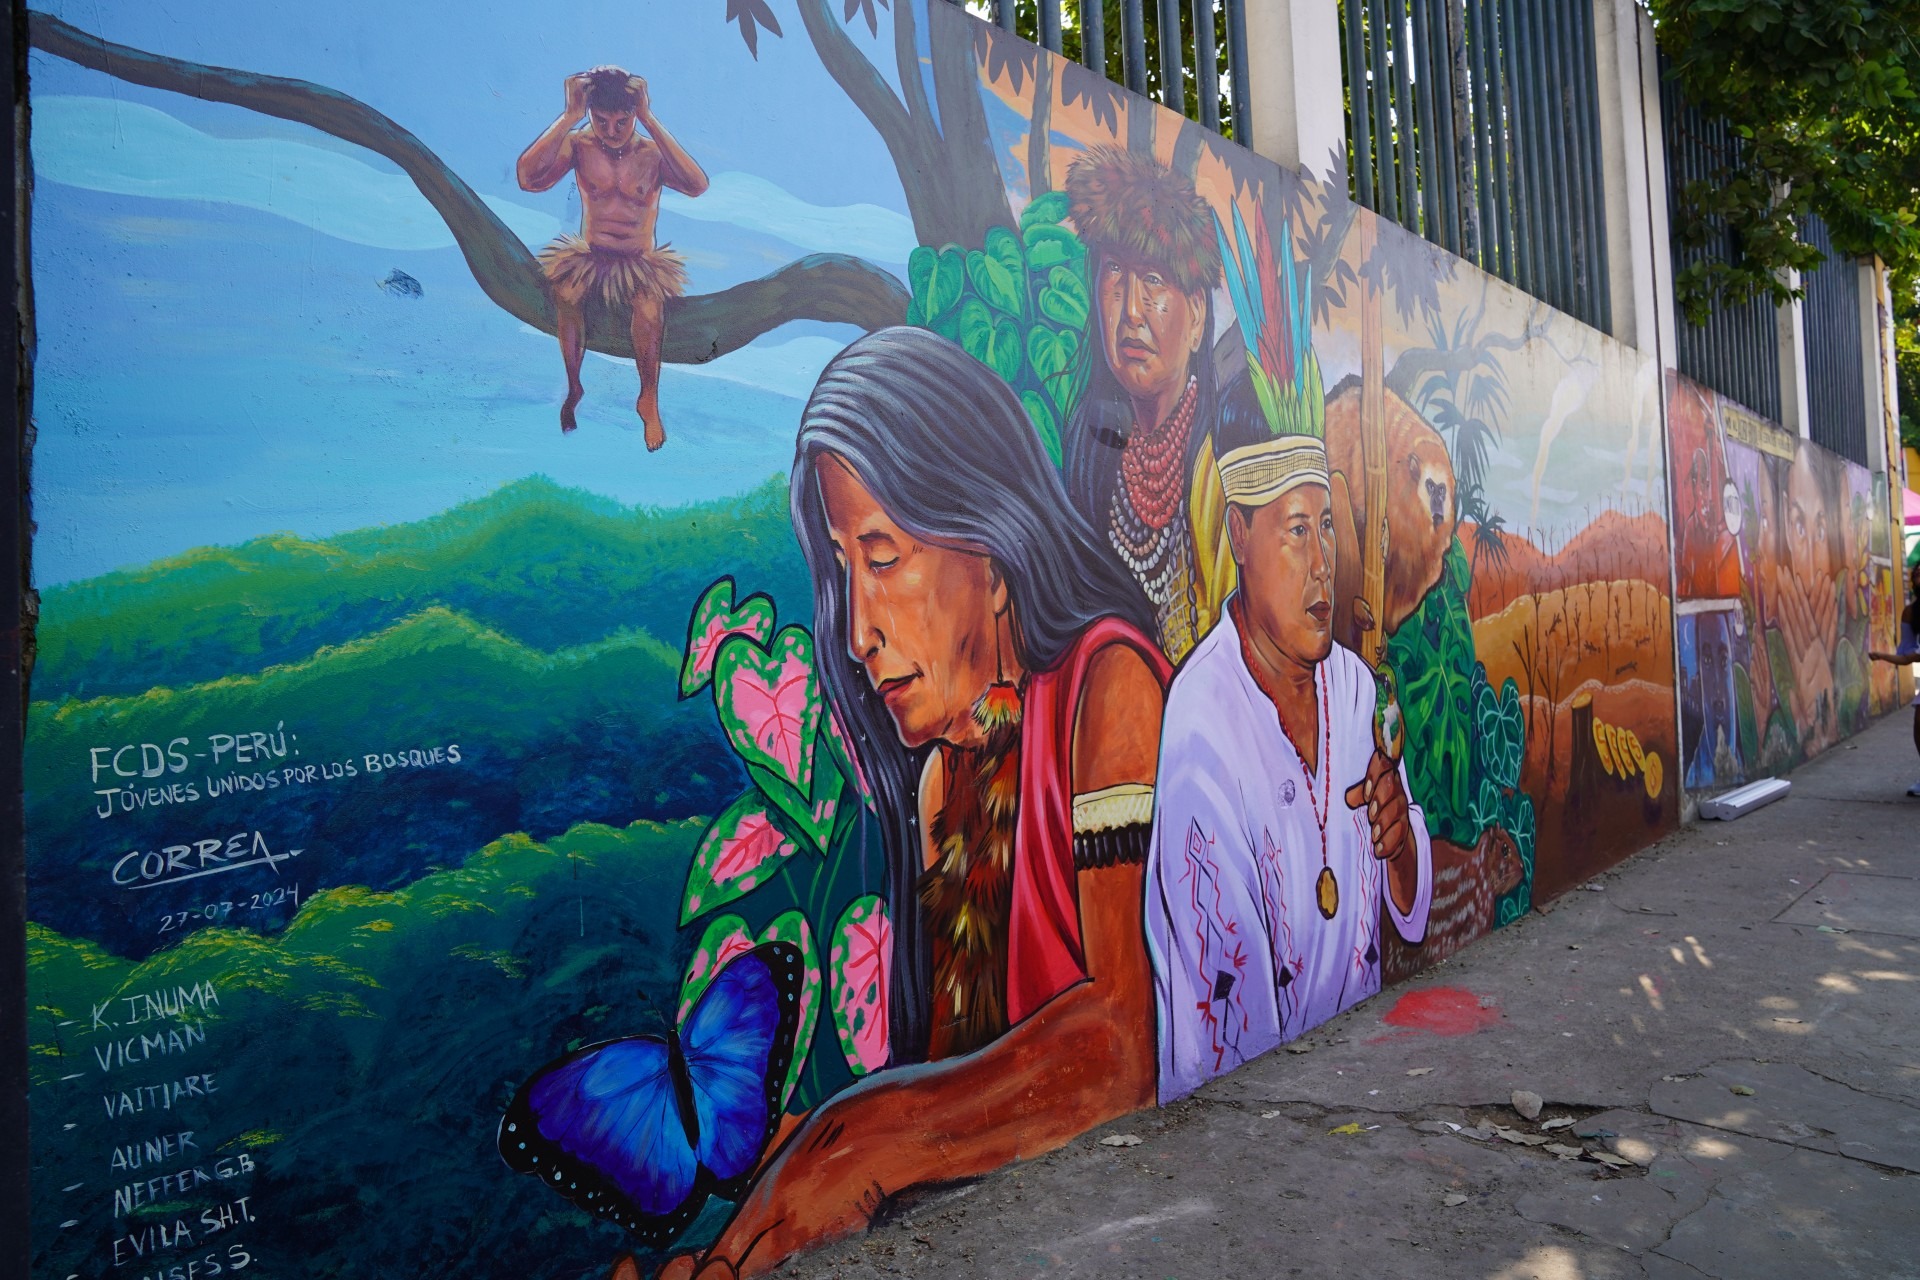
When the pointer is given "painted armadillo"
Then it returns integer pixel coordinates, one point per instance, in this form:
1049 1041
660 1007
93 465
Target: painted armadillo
1466 884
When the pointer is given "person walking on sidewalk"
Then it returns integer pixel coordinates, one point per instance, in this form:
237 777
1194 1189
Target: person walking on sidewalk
1909 651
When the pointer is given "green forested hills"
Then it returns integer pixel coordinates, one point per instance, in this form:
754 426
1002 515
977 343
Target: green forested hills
594 732
548 566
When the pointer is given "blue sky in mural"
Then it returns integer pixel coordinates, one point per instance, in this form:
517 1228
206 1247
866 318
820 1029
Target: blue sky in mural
216 357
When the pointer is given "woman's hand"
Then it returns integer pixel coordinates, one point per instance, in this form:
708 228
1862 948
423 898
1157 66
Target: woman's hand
803 1197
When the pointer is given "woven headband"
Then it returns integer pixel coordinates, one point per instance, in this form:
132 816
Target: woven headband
1255 474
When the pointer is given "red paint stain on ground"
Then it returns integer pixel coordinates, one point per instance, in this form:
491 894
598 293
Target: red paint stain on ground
1443 1011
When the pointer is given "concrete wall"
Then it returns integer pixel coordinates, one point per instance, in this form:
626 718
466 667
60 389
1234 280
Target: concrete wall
421 796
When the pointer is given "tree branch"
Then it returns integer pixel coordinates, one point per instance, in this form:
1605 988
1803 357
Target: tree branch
858 79
823 286
829 287
503 266
1412 365
906 59
1040 131
964 187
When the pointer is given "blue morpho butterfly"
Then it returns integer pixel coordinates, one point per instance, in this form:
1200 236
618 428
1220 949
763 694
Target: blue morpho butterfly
640 1130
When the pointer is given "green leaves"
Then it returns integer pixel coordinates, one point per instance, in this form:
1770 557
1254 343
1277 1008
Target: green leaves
739 852
1018 304
1824 99
1053 355
998 273
937 278
1466 742
1433 663
715 618
993 340
790 854
769 703
1064 301
1500 732
861 962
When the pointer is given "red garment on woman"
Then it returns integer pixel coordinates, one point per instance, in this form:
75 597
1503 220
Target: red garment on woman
1044 953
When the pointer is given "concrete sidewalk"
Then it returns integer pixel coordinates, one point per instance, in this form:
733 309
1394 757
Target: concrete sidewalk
1735 1012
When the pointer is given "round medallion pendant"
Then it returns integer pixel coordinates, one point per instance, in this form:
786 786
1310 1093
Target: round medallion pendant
1328 892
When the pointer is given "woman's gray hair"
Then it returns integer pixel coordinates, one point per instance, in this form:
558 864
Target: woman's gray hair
946 449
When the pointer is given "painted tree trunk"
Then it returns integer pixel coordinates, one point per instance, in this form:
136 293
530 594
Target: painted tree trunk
1373 452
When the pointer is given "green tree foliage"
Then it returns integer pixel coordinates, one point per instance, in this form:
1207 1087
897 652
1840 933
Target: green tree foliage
445 631
1466 741
1825 96
503 560
1906 338
546 739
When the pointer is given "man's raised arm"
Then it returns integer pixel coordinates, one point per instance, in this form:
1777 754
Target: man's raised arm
551 155
677 169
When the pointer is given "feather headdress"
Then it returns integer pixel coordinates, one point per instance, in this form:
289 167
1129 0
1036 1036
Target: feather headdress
1274 302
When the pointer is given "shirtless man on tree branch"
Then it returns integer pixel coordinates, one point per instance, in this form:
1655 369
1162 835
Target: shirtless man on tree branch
614 260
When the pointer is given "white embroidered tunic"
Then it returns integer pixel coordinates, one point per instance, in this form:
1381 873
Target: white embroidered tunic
1242 958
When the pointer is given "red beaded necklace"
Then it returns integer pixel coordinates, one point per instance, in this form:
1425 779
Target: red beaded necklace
1152 463
1327 887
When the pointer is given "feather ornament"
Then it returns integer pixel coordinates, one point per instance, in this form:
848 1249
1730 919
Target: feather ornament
1273 298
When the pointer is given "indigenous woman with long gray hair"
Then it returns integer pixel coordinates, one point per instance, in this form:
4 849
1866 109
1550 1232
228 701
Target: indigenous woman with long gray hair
1002 690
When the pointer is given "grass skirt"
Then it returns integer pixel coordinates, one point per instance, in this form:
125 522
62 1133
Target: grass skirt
578 272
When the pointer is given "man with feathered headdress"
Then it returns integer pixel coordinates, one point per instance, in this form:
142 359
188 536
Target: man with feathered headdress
614 261
1282 831
1139 451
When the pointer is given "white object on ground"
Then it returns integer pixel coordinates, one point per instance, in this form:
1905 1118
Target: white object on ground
1742 801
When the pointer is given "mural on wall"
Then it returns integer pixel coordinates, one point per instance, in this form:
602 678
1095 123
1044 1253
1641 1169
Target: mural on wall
1104 606
1787 580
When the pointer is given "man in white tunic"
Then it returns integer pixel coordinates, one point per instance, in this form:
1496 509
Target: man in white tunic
1282 832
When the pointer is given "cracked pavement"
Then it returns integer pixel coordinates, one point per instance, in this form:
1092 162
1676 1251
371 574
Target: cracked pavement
1732 1016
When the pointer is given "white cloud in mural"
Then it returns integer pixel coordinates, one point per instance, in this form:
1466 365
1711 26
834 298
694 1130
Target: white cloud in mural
128 148
754 204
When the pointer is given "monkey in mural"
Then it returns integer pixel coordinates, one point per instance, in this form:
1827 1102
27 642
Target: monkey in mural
613 262
1422 510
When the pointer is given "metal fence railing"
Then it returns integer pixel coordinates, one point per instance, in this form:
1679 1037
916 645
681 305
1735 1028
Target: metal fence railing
1737 351
1836 390
1189 54
1475 123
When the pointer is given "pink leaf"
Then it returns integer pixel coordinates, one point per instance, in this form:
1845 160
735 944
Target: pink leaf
738 945
719 627
863 960
773 715
753 842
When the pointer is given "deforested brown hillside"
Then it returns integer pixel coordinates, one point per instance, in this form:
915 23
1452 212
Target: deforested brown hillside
1614 548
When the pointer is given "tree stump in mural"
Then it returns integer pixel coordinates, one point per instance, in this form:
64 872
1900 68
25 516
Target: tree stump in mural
1609 768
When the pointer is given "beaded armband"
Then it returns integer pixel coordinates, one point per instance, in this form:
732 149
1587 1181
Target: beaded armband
1112 826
